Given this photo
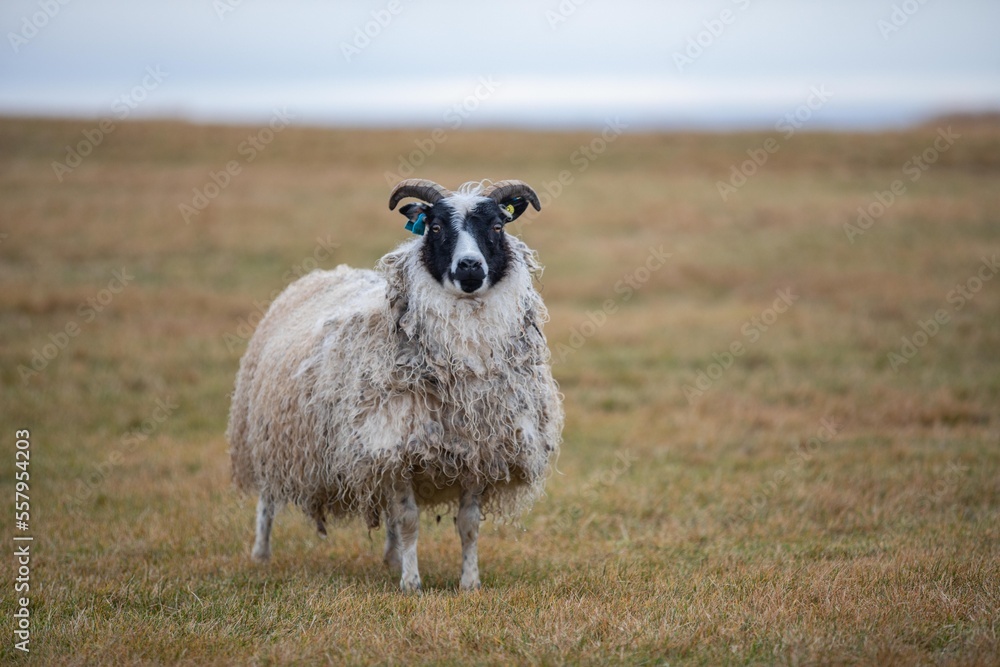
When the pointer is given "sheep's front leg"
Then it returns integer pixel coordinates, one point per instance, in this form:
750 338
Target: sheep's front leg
405 517
467 523
262 541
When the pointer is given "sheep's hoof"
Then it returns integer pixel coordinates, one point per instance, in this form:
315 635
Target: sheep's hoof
261 555
412 586
470 586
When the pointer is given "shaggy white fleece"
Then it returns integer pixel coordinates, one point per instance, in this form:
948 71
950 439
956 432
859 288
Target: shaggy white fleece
355 378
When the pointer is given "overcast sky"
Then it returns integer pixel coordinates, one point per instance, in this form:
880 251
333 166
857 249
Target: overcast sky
553 63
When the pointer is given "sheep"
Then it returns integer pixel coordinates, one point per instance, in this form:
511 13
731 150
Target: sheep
425 383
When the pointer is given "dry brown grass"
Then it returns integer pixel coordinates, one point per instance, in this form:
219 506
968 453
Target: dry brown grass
711 533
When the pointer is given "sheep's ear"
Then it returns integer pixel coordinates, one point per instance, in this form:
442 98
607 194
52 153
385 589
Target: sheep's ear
415 214
513 207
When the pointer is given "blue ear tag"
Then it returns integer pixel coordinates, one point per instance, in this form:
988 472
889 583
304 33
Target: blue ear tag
417 226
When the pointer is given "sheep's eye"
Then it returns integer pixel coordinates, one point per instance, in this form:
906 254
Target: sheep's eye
435 228
498 228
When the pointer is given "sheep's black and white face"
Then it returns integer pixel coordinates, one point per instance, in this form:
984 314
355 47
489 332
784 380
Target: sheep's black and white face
465 245
465 248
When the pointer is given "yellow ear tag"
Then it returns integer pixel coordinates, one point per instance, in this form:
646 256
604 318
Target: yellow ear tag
510 210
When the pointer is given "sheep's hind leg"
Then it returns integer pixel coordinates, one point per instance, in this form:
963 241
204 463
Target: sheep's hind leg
265 517
391 554
404 519
467 523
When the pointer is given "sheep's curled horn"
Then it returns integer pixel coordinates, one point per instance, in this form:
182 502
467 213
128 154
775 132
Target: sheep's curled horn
504 190
431 192
421 188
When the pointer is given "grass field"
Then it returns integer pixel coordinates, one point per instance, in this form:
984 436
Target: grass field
757 468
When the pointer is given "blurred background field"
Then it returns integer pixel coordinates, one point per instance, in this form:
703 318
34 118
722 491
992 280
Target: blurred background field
820 501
